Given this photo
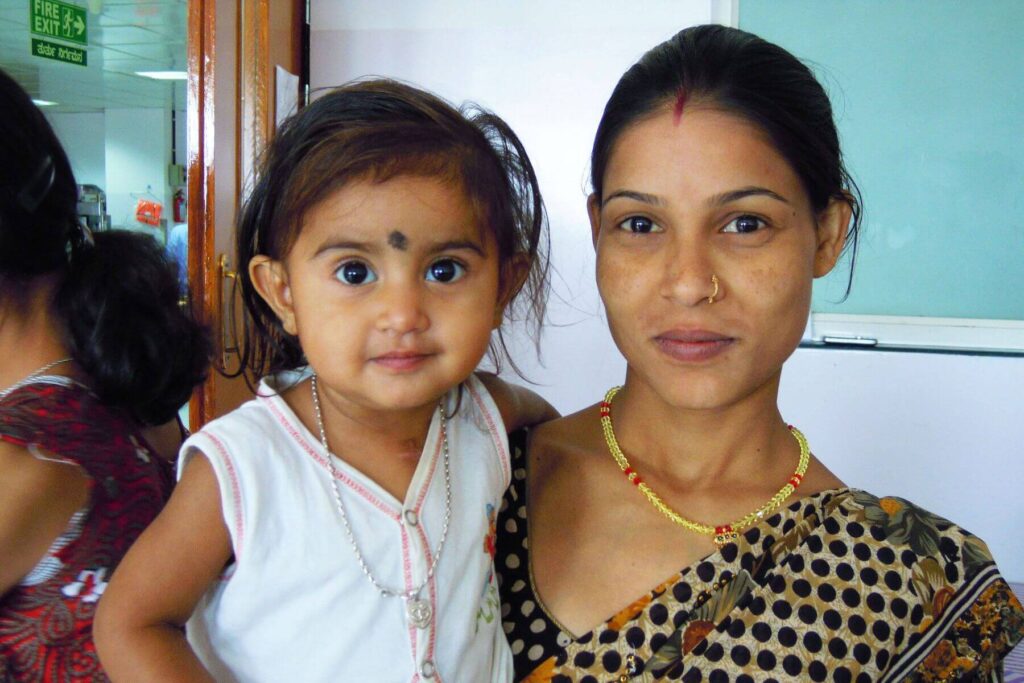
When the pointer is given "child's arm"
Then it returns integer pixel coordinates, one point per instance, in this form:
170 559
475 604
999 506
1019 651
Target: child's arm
139 622
519 407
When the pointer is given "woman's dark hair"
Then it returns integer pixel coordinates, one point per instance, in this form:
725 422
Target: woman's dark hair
118 292
377 130
38 195
749 77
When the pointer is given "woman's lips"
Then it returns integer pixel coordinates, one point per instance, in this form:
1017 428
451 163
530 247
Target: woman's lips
693 345
401 360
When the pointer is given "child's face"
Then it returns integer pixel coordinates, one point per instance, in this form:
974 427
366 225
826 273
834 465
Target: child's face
392 289
707 195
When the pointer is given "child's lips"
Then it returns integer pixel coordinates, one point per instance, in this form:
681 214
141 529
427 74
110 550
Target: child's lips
401 360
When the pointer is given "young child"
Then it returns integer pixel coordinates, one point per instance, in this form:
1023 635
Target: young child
340 526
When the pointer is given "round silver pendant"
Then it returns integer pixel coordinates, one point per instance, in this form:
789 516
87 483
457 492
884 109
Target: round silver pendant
419 612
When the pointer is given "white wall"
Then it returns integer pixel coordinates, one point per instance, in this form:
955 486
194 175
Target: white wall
83 137
138 148
123 151
942 430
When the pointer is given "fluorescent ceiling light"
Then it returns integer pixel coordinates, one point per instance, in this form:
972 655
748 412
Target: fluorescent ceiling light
43 103
164 75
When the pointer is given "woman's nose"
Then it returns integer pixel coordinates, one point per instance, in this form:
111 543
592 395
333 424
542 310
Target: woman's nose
689 278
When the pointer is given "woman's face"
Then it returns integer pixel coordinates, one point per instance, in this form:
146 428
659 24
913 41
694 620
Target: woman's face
706 194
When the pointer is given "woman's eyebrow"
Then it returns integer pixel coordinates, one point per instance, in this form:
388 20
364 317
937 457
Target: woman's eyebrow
752 191
651 199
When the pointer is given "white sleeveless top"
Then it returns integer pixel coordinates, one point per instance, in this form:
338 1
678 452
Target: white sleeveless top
295 605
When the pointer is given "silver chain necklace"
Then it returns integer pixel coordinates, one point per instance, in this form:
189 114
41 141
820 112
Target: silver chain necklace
30 376
417 610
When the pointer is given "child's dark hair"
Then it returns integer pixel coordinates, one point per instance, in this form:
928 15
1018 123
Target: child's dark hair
747 76
117 292
380 129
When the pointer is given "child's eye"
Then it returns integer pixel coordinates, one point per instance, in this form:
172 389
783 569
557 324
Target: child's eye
445 270
355 273
639 225
744 225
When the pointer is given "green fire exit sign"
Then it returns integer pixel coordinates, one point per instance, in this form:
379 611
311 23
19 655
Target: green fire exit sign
55 19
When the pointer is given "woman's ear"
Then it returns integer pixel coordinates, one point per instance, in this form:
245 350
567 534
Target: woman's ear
271 282
833 223
594 212
513 276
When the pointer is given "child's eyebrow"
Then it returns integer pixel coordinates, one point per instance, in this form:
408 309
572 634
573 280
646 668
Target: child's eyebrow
350 245
455 245
375 248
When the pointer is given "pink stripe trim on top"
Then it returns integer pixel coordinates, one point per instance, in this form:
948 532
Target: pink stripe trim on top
236 491
319 459
432 587
430 475
500 440
407 574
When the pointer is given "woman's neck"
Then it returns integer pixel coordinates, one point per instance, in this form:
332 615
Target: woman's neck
731 442
30 333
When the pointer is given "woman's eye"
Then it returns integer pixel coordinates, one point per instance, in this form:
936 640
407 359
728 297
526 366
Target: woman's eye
744 225
355 273
639 224
445 270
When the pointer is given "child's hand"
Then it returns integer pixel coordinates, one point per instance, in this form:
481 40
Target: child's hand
519 407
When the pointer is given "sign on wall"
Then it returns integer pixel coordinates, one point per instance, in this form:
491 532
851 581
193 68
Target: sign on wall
61 21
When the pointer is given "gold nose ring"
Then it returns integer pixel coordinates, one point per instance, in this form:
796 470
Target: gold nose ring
714 281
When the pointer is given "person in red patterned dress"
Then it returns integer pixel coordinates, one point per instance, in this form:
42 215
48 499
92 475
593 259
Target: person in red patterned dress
96 356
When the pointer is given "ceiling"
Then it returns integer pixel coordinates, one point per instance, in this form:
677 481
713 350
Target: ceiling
125 36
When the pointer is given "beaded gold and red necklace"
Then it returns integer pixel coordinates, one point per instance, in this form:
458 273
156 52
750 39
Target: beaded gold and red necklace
725 533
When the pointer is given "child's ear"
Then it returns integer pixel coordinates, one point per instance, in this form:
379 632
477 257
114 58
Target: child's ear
833 223
271 282
594 212
513 276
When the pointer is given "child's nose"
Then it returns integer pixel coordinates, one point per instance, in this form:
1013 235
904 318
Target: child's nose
402 311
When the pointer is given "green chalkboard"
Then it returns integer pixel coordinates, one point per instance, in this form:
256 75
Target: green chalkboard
929 99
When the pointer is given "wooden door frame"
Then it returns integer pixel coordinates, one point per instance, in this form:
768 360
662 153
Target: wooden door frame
253 114
201 44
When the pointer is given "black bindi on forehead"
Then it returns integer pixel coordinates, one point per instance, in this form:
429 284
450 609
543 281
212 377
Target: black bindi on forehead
397 240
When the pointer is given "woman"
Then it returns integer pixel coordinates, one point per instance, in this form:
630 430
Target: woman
95 359
679 529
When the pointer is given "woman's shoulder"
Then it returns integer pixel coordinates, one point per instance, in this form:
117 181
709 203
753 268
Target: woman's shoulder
567 437
48 399
64 417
